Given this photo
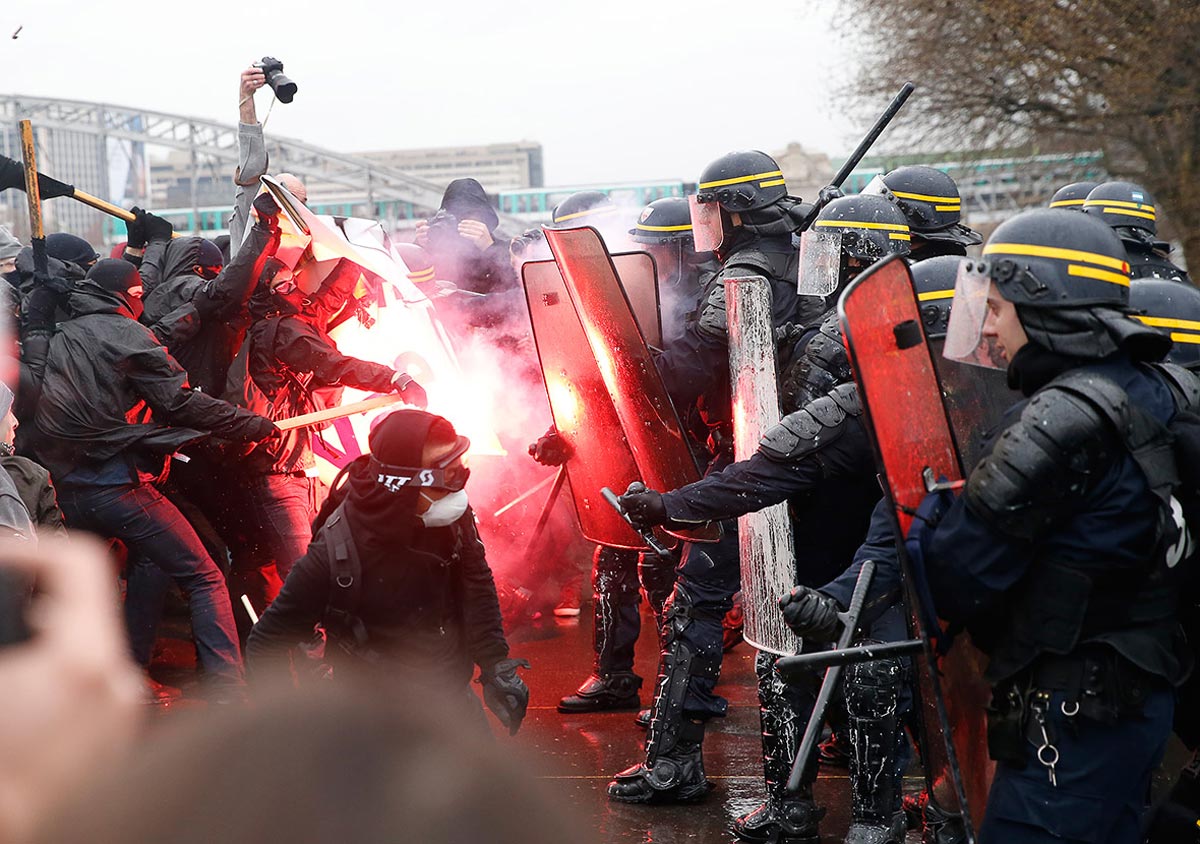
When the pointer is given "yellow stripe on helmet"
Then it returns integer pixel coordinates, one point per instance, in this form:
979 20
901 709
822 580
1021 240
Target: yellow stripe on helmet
935 294
1056 252
1118 203
771 183
685 228
602 209
947 208
1185 338
422 275
741 179
1067 203
1099 275
1167 322
924 197
899 237
1141 214
854 224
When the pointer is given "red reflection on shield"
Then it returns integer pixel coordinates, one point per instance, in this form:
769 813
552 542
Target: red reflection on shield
647 416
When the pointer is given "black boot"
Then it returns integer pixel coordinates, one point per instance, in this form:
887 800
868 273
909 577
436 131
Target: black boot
783 818
615 691
670 775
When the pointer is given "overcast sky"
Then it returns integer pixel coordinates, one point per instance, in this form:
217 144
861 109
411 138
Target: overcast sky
623 91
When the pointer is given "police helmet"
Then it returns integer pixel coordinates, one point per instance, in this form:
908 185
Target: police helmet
1173 308
576 208
931 202
871 227
1127 207
745 180
933 279
1051 258
666 220
1072 196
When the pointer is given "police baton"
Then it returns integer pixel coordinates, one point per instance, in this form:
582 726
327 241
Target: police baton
647 537
864 145
833 676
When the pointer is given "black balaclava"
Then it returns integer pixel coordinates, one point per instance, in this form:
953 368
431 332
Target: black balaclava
119 278
70 249
467 200
379 518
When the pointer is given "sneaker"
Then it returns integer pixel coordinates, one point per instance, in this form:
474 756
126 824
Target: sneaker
568 602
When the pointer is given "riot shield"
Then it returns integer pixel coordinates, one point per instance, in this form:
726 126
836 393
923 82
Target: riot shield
898 386
583 412
639 280
975 398
647 416
764 537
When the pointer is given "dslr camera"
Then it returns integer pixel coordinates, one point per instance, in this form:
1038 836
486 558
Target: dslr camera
443 229
284 88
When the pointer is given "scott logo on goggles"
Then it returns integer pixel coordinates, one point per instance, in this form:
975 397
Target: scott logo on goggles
394 483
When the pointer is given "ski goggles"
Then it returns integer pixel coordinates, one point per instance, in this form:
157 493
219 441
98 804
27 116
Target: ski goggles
448 473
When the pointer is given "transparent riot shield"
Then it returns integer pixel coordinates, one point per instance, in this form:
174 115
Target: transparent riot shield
647 416
975 398
898 386
639 279
764 537
583 412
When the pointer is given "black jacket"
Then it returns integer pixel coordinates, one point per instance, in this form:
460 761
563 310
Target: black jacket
202 323
105 373
428 606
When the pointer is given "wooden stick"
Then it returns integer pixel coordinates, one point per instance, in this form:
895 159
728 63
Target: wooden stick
101 205
37 237
329 414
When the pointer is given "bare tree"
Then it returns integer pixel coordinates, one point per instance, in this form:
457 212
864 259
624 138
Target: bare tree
1099 74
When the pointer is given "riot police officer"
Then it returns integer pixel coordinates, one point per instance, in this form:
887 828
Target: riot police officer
819 459
1061 555
1072 196
1174 309
931 204
1130 210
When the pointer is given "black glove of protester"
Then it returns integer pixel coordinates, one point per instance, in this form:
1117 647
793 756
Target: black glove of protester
505 693
811 615
644 506
135 230
267 209
148 228
551 449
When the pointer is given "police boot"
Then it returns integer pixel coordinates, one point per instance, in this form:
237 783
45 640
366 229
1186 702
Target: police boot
783 817
670 774
872 691
618 690
941 826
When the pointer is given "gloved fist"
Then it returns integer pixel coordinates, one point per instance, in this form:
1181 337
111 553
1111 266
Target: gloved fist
505 693
828 194
156 227
644 506
409 390
267 208
551 449
135 229
811 614
261 429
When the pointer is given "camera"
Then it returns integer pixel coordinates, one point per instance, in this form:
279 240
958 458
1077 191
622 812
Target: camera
443 229
284 88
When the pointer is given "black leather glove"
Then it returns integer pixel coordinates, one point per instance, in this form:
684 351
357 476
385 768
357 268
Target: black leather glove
505 693
136 229
644 506
522 242
811 614
828 194
551 449
267 208
410 390
156 227
262 429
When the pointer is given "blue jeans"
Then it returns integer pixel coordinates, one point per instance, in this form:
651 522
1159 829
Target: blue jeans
153 529
1103 779
278 511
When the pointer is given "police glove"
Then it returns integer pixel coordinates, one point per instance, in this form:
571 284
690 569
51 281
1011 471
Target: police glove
267 209
644 506
505 693
551 449
135 229
409 390
811 615
156 227
828 194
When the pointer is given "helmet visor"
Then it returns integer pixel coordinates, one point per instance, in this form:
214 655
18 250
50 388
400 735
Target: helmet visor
965 341
876 187
708 224
820 261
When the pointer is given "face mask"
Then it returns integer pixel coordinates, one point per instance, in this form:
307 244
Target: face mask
445 511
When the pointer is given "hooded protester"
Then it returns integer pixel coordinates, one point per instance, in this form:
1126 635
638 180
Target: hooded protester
397 573
463 241
114 406
286 363
10 247
32 481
